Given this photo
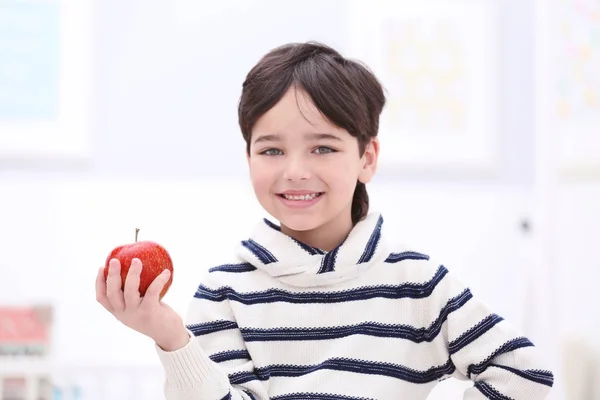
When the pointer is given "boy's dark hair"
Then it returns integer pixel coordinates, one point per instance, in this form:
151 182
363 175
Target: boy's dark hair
345 92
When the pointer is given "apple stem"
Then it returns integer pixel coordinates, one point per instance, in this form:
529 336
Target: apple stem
136 233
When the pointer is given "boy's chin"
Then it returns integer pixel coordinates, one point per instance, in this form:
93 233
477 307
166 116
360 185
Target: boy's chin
299 223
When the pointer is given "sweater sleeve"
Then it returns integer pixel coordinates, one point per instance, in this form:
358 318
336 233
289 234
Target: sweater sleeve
215 364
490 351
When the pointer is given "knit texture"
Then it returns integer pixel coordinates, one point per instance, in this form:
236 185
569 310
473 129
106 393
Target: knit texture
367 320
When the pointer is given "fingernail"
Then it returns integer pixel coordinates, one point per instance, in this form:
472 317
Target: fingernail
166 272
114 266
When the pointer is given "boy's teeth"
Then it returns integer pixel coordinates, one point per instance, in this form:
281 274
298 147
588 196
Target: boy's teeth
301 197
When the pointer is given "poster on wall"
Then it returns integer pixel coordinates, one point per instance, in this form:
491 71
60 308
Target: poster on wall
573 31
45 78
437 61
25 352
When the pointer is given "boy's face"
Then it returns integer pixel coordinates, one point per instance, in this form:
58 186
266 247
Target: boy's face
303 168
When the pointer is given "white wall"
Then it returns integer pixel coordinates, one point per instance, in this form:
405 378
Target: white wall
169 74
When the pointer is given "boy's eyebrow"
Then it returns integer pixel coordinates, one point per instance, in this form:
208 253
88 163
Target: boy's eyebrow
310 136
314 136
268 138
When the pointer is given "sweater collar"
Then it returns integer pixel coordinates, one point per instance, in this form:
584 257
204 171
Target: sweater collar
299 264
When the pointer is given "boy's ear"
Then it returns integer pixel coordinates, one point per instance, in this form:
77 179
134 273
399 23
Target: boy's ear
369 161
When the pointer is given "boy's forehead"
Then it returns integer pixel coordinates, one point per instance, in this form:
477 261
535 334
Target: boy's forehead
295 103
291 115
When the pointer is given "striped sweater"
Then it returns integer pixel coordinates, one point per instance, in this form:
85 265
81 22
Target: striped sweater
367 320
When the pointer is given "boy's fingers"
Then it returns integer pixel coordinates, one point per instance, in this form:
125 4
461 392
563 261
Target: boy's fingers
101 290
132 284
152 295
114 290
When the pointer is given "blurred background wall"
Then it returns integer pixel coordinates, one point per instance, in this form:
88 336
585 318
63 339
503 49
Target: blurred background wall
508 196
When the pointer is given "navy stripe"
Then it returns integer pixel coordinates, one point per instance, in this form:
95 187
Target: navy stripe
348 365
517 343
242 267
228 397
260 252
474 333
490 392
316 396
407 290
309 249
239 378
328 262
230 355
272 225
372 243
407 255
211 327
408 332
250 395
542 377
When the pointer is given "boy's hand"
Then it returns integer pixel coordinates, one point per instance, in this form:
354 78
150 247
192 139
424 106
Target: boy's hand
147 315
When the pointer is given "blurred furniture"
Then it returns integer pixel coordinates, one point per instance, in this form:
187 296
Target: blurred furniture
581 367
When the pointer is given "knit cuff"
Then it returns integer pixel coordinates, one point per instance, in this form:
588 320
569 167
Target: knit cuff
189 366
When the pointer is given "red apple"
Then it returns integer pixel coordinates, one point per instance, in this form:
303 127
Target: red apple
155 259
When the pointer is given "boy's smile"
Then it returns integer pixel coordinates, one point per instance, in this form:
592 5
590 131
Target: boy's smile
300 198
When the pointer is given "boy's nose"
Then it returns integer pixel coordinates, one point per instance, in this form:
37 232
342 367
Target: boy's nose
296 169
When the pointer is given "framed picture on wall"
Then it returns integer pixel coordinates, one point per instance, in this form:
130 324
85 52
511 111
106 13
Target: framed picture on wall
45 78
438 63
571 31
26 351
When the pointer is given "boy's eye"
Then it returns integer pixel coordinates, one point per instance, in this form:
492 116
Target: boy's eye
324 150
272 152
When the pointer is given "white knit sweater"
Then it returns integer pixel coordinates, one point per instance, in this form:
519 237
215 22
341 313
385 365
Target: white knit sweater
285 321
